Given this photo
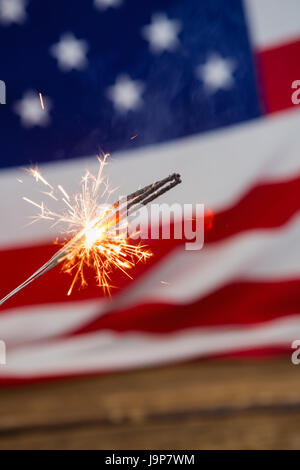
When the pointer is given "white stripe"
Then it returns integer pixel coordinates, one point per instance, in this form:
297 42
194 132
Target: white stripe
107 351
25 324
273 22
217 169
260 255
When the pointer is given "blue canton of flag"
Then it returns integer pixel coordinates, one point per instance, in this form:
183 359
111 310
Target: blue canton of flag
108 70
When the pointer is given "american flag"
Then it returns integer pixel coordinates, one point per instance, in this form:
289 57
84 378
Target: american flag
197 87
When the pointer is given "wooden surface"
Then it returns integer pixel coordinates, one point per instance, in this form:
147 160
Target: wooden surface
206 405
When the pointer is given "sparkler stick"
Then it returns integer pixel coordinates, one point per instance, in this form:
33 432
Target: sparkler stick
121 209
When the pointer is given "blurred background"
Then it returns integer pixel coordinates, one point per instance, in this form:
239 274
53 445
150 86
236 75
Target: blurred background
195 351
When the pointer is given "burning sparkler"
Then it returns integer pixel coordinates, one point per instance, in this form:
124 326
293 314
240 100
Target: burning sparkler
97 233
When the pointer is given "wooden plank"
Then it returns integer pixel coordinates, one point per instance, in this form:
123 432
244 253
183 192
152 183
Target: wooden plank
243 430
206 404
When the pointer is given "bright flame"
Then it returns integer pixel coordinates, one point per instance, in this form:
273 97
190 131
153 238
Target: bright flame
92 236
101 241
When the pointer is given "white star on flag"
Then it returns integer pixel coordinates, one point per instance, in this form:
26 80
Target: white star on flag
162 33
30 110
12 11
126 93
70 52
216 73
104 4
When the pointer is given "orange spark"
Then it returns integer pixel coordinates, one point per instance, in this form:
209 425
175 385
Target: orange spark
63 191
32 202
42 101
38 176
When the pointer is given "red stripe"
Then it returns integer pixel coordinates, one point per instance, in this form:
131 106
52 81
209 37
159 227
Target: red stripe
265 206
53 286
234 304
278 67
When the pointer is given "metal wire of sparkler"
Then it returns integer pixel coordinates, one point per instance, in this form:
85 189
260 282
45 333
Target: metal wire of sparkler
123 208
